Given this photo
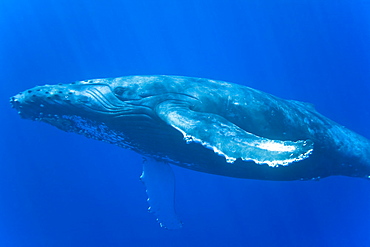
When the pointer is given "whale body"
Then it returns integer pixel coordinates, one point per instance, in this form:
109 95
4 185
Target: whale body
200 124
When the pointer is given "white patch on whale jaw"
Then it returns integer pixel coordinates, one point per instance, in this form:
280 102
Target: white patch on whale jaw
88 128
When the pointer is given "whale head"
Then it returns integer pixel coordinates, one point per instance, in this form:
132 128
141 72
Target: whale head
120 111
99 99
91 107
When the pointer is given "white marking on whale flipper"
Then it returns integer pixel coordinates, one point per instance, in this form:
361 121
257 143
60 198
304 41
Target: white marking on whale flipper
227 139
159 181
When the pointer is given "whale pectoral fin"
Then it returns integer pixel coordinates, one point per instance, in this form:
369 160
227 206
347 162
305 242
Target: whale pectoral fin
227 139
159 181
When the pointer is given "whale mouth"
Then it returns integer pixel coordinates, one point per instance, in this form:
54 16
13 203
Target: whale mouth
65 99
38 110
80 107
34 109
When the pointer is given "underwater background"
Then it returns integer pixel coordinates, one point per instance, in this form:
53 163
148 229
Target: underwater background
61 189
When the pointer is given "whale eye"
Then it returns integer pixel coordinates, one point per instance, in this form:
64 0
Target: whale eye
119 91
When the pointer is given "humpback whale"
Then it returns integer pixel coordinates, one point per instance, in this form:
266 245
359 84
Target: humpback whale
200 124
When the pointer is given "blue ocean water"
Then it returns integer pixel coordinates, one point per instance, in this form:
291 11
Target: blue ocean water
61 189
